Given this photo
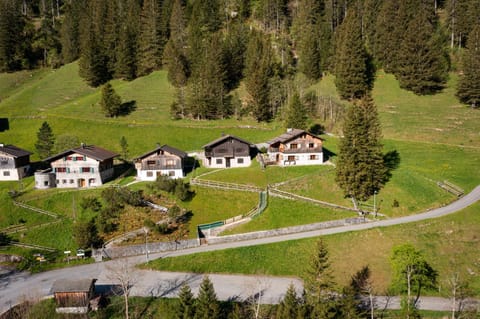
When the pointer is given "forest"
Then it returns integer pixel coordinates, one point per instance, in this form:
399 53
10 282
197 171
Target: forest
271 49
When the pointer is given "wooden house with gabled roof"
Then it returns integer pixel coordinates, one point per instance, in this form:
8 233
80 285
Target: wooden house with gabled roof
14 163
163 160
295 147
228 151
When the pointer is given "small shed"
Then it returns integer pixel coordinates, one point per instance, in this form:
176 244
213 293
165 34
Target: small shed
73 296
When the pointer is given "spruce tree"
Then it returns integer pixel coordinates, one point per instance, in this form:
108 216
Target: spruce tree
386 41
354 72
70 30
12 26
126 57
422 62
45 141
258 70
319 284
468 90
110 101
296 116
288 307
150 44
186 304
360 169
207 306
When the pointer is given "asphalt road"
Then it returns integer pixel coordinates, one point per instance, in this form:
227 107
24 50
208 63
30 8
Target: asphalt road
17 287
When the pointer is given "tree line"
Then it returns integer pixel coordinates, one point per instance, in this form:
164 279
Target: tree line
209 47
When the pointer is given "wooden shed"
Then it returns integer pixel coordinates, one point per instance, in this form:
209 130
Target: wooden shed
73 296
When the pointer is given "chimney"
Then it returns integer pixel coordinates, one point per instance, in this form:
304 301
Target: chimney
83 145
289 129
1 145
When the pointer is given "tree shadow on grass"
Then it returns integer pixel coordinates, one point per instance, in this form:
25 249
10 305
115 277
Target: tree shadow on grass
391 160
127 107
327 154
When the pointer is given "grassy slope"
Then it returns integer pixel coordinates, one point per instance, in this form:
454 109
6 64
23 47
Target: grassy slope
443 240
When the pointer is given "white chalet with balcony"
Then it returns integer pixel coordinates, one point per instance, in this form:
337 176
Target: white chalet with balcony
85 166
163 160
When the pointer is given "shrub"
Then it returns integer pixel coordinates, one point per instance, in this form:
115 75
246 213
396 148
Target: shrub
91 203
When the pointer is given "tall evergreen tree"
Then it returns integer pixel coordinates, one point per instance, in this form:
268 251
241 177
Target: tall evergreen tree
70 30
126 57
47 37
296 116
288 307
233 54
186 304
360 168
207 306
45 141
386 41
468 90
110 101
12 25
422 62
319 285
461 16
150 46
258 70
353 68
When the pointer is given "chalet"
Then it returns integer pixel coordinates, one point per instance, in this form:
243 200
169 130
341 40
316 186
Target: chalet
228 151
163 160
14 163
85 166
73 296
295 147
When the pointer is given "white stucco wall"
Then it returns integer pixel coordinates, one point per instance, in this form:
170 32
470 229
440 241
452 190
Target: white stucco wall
233 162
142 175
300 159
13 174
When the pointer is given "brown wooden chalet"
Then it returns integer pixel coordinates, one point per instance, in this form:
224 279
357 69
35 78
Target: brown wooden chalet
228 151
163 160
14 163
73 296
295 147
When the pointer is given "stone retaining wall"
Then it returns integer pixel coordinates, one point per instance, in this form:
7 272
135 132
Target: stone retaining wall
286 230
134 250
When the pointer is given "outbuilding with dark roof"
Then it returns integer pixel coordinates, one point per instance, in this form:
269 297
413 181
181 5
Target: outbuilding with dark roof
14 163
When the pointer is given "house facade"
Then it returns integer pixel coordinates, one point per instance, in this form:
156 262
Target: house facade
295 147
14 163
85 166
227 151
164 160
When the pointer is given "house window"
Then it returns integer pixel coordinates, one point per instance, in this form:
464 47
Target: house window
45 183
291 158
311 145
149 174
219 161
313 157
171 173
69 158
57 182
150 162
239 160
222 150
79 158
293 146
239 150
170 162
64 181
6 173
60 169
85 169
91 181
71 181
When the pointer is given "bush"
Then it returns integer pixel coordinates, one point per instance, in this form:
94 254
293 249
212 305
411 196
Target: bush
174 186
91 203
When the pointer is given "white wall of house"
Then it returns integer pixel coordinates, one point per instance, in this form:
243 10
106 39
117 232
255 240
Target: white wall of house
151 175
297 159
221 162
79 172
13 174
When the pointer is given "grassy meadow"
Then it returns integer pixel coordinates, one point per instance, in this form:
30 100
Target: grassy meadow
436 138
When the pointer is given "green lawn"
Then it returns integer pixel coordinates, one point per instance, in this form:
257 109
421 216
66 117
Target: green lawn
443 240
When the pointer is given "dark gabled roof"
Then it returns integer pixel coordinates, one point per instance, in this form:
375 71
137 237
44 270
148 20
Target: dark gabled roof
13 151
165 148
66 285
289 135
224 138
91 151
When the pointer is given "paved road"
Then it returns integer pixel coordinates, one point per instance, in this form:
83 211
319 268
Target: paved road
18 287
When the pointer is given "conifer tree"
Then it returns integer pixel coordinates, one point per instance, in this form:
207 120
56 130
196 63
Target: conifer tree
360 169
353 69
296 116
386 41
126 62
45 141
207 306
110 101
422 62
468 90
288 307
258 70
233 54
11 35
186 304
319 284
70 30
150 44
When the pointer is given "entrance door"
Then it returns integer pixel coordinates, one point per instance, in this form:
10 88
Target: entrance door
227 162
82 182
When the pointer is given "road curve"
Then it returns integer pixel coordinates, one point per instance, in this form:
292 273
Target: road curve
23 286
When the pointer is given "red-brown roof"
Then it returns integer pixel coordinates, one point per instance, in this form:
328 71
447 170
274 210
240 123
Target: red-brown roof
92 151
